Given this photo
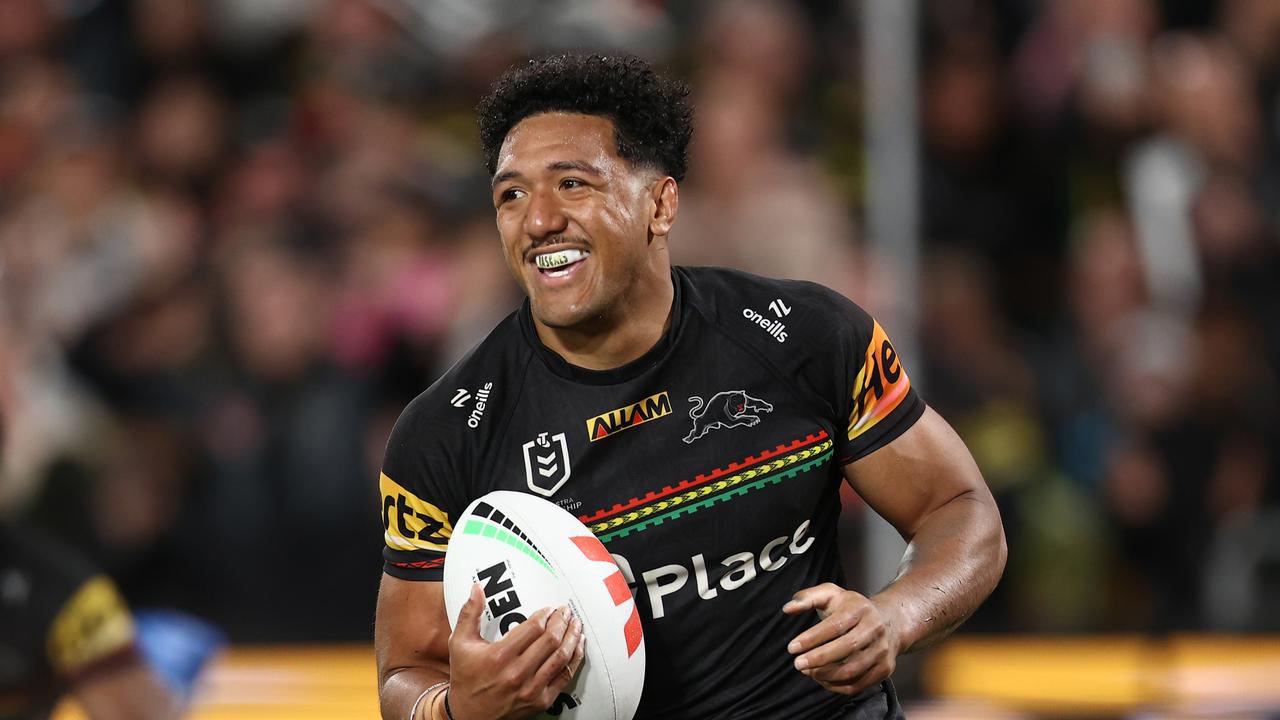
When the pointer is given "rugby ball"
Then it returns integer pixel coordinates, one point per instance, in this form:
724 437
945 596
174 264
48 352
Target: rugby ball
527 553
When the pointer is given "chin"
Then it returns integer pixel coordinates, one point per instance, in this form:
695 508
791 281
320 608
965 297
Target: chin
560 317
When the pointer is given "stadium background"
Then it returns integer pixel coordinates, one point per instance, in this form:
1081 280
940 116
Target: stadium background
237 236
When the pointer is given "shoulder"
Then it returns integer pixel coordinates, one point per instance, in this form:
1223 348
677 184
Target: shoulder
57 569
486 376
447 424
773 313
83 615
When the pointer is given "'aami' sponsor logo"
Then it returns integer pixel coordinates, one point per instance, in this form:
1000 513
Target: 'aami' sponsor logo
650 408
728 575
776 328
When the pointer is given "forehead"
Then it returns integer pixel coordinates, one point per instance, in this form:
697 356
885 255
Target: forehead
555 136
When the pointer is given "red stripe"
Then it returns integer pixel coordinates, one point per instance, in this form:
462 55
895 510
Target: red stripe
592 548
633 632
617 586
420 564
704 479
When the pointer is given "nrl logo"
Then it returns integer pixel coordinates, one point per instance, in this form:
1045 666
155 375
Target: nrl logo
546 464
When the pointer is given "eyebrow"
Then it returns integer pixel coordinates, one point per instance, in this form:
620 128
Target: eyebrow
579 165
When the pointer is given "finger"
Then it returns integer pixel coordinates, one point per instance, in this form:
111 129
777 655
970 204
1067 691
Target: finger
539 644
811 598
835 651
557 668
835 625
580 654
858 680
854 677
845 670
576 636
469 615
520 638
860 639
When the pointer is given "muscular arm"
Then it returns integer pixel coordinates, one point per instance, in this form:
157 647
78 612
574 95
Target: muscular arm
411 643
516 677
927 486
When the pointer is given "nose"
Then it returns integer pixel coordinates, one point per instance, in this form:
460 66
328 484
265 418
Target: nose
545 217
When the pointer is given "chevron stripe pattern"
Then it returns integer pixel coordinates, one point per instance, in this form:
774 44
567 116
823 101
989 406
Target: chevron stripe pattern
720 485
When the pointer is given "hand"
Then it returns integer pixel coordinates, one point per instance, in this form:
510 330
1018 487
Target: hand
518 676
853 646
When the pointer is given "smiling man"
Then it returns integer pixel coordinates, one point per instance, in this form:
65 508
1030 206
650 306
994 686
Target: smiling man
698 420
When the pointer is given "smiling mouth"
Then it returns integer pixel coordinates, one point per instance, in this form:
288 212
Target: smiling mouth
558 264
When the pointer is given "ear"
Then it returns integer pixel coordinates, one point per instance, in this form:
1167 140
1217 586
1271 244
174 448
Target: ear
664 197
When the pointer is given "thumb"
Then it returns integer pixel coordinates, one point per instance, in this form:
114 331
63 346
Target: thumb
470 614
813 598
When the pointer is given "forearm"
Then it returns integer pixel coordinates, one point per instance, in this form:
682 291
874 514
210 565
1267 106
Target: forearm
401 689
411 644
951 565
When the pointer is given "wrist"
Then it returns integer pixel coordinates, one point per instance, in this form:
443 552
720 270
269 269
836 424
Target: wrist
896 620
423 707
445 706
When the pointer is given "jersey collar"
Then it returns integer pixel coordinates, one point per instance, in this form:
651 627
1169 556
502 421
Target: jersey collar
631 370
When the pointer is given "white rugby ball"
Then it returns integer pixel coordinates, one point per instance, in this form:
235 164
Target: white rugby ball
527 554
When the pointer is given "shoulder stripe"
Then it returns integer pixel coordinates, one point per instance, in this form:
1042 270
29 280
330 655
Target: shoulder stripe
880 386
409 522
93 625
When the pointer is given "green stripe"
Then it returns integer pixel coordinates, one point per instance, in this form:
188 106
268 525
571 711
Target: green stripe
736 491
483 528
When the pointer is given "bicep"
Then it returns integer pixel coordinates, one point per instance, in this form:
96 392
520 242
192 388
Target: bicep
411 630
918 472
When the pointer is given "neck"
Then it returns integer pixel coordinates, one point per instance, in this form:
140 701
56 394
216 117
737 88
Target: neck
620 337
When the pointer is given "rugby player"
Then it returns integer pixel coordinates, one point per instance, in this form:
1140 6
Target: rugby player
65 628
698 420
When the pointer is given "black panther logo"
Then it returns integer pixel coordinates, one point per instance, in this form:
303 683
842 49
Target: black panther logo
724 410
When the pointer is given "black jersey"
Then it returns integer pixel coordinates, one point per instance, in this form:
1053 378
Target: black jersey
710 468
60 622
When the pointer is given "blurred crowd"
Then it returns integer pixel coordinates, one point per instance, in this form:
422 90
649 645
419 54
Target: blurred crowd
237 237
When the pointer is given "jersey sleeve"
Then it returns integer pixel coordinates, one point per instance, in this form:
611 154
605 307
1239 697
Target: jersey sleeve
879 403
421 472
851 365
91 631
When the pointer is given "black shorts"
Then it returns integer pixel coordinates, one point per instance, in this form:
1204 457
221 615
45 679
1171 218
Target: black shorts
878 703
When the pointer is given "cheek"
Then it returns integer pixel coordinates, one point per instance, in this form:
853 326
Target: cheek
511 255
508 237
624 226
622 215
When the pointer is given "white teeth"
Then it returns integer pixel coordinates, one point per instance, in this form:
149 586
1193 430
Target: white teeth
550 261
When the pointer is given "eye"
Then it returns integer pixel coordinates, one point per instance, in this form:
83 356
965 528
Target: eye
572 183
509 194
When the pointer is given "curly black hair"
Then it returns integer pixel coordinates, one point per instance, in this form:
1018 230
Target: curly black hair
651 114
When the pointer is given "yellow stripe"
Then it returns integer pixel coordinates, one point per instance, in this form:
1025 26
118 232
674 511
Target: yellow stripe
709 489
401 506
93 624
